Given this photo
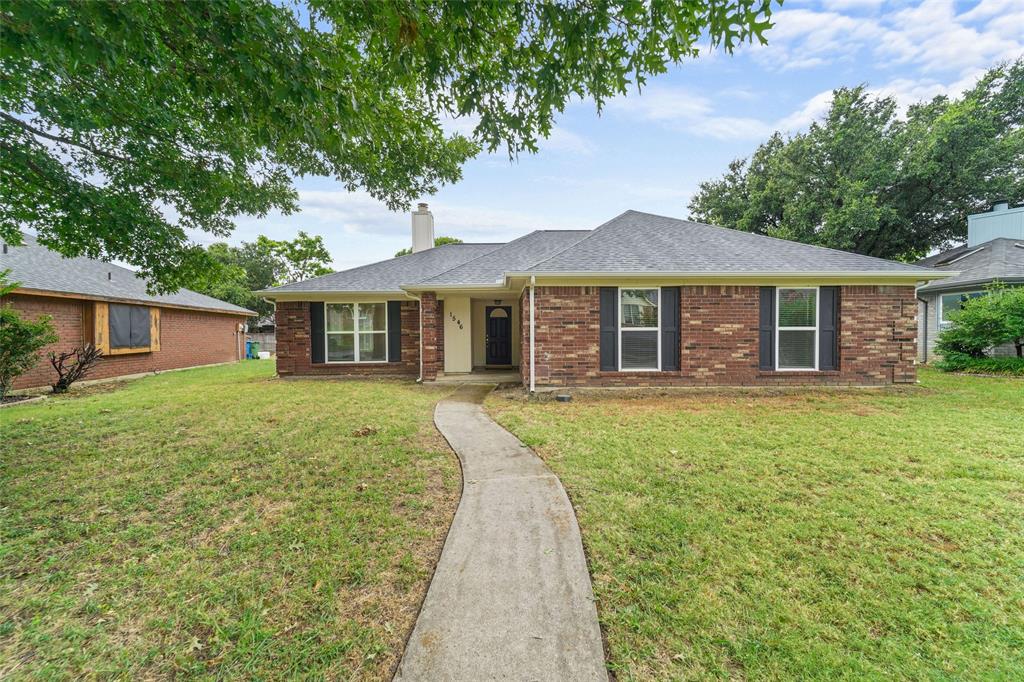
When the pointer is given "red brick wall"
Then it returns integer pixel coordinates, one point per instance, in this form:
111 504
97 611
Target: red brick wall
187 339
719 342
294 352
433 335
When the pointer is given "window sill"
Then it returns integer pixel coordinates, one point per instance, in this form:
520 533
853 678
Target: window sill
350 363
128 351
798 372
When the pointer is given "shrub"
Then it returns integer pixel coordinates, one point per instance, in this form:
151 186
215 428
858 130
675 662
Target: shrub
959 362
985 322
20 340
81 361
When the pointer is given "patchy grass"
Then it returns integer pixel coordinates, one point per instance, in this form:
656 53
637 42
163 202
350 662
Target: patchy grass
219 523
863 534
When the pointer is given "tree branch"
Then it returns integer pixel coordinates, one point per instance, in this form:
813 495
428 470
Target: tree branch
60 138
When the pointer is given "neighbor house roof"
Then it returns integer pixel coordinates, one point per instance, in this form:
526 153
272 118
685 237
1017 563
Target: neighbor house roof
38 269
633 243
642 243
976 266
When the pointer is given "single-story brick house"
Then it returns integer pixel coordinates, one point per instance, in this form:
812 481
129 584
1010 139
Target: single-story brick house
994 252
643 300
91 301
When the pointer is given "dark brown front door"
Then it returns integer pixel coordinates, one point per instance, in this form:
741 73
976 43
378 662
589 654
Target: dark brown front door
499 334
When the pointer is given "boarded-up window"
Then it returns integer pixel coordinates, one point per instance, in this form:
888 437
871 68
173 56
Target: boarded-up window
129 327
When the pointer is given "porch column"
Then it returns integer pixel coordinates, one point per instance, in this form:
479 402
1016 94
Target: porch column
432 336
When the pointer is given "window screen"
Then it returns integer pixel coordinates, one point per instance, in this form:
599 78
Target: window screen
129 326
639 320
798 328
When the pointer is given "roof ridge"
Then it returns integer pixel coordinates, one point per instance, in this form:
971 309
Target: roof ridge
501 245
778 239
572 246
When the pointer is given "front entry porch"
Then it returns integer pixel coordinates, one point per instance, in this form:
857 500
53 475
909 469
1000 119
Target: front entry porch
480 334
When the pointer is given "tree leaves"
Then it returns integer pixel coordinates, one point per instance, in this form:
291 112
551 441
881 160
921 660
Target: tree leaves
128 125
866 180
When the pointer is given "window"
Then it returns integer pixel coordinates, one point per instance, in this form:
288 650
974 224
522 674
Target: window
129 328
639 330
356 332
949 303
797 325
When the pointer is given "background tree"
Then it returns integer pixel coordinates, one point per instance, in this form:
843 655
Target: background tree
20 340
239 271
438 241
116 116
866 180
302 258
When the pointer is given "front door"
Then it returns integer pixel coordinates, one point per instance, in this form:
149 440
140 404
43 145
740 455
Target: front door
499 335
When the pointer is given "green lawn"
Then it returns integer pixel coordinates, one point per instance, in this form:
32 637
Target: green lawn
857 535
219 523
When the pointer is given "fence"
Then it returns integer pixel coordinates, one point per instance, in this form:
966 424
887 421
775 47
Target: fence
267 341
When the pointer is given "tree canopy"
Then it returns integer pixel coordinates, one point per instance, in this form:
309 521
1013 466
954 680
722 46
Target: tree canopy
123 125
239 271
865 179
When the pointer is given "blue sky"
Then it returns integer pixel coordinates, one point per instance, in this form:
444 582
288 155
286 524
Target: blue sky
649 151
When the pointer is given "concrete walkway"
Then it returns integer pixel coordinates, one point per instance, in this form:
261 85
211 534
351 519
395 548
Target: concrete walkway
511 598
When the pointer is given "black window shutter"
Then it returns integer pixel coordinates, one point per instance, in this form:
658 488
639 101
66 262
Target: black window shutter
828 329
394 331
316 331
669 329
766 327
609 329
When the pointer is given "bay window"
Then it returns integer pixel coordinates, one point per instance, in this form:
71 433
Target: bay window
639 329
797 329
356 332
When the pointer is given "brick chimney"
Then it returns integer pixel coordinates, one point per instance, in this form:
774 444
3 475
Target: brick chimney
422 229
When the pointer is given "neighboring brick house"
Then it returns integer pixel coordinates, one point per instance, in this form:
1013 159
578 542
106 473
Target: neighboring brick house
642 300
90 301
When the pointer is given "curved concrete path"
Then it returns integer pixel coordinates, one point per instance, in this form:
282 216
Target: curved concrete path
511 598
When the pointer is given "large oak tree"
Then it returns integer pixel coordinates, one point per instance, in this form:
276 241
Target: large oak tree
869 180
124 124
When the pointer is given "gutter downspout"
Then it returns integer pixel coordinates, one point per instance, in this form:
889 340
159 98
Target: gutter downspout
533 280
924 354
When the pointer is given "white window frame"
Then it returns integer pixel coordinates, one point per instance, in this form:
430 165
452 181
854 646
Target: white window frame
816 328
657 330
355 333
941 324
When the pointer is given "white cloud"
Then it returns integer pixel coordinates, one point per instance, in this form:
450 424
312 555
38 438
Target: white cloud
563 140
685 111
811 110
929 35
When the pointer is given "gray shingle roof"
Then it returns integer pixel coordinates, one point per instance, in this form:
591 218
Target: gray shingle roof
634 242
517 254
34 266
643 243
389 276
1001 259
